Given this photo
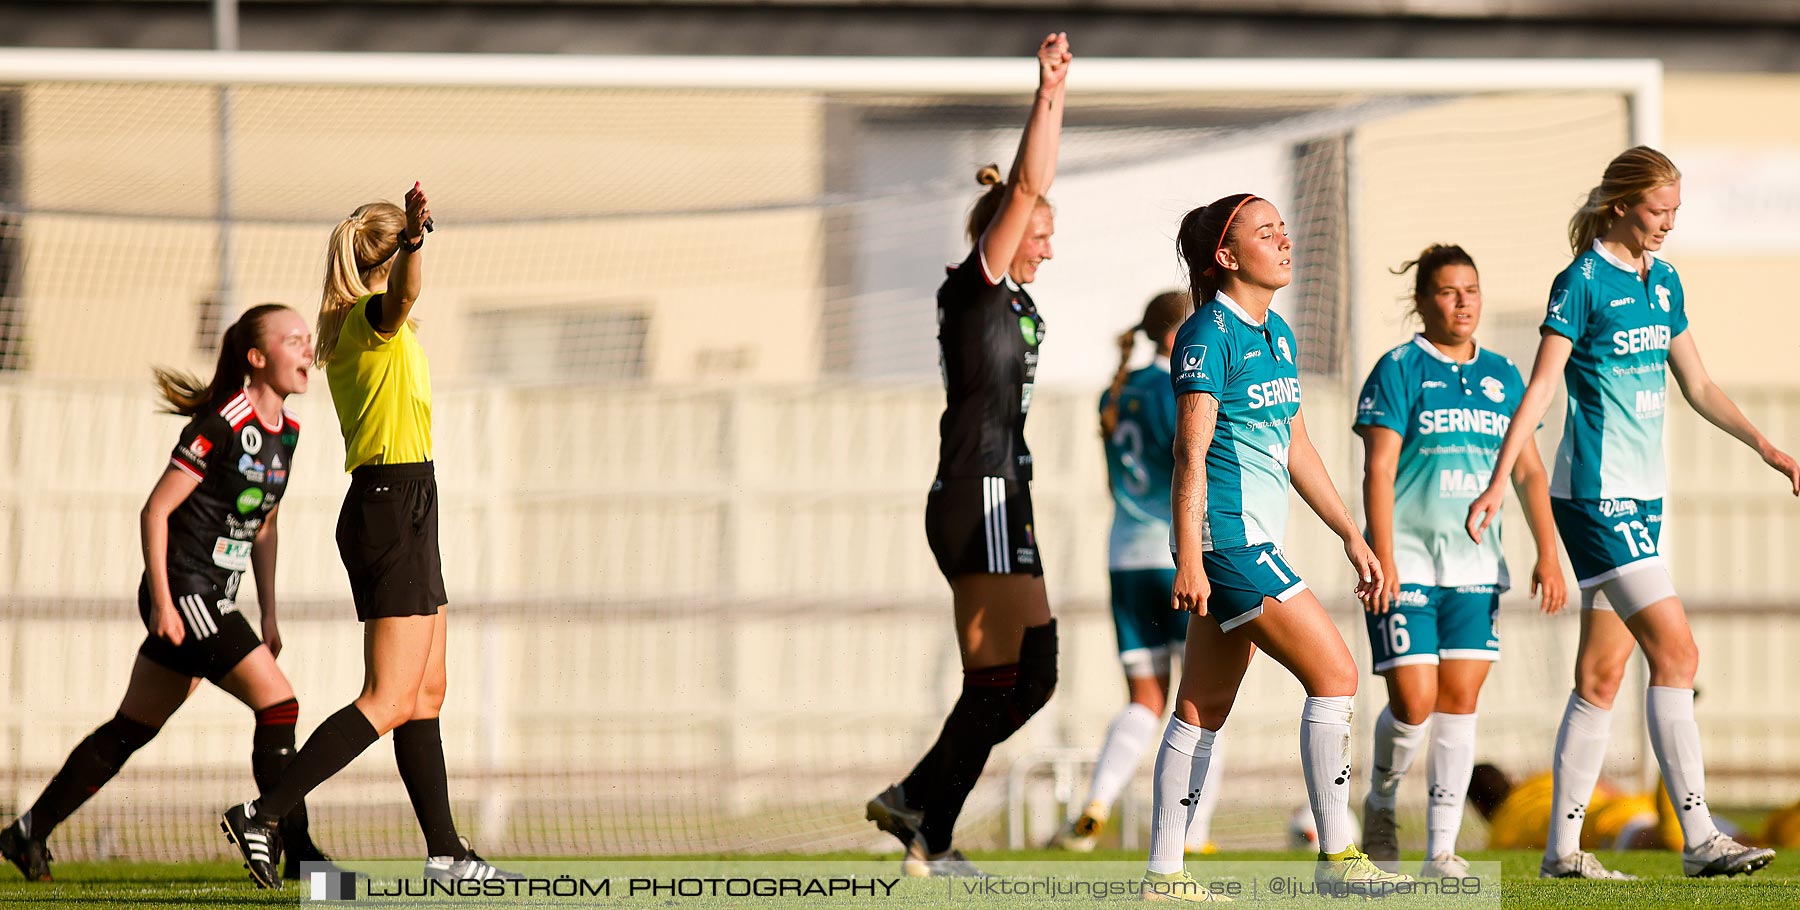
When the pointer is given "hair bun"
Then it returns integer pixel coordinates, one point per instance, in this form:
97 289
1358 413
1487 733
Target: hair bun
988 175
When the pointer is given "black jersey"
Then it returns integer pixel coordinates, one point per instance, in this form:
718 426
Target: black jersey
242 465
988 337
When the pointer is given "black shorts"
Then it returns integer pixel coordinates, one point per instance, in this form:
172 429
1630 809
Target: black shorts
218 636
387 535
982 526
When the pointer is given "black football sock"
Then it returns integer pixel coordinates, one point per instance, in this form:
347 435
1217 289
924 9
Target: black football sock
338 741
419 752
89 766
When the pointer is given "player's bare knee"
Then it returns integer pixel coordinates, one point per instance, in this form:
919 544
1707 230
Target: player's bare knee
1151 699
1415 707
1332 682
387 711
1455 701
430 699
1598 685
1674 664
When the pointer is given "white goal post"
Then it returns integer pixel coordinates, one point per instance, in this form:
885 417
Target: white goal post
679 321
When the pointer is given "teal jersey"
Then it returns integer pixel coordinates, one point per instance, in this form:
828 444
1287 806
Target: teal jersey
1451 418
1249 367
1621 326
1140 462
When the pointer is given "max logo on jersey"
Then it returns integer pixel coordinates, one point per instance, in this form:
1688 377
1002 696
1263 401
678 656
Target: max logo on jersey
1493 389
1192 358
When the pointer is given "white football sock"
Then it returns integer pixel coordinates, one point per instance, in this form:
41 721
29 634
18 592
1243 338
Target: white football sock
1449 768
1120 753
1180 769
1199 830
1325 757
1396 745
1580 751
1675 738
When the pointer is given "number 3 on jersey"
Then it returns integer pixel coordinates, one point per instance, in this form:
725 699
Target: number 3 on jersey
1129 438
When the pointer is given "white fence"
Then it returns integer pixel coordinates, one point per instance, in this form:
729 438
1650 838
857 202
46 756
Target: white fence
706 620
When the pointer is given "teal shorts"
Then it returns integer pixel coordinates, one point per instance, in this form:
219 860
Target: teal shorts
1242 577
1144 616
1432 623
1603 536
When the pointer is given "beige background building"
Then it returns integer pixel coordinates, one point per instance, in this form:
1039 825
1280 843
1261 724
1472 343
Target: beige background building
682 342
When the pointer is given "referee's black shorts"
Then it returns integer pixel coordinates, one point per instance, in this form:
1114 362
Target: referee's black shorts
387 535
982 526
218 636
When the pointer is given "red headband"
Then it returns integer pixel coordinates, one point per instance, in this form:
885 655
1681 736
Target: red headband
1226 231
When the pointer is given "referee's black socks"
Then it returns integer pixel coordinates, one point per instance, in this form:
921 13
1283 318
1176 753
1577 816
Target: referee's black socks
419 752
339 740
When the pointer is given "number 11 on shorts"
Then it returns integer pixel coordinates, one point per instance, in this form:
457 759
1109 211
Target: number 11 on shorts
1268 559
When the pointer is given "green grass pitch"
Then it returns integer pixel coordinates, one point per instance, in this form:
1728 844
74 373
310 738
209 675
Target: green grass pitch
223 886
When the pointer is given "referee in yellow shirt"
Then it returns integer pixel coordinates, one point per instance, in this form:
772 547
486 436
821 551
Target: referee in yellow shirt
387 535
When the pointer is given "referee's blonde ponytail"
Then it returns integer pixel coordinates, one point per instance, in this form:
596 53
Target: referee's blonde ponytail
1166 312
361 250
1628 179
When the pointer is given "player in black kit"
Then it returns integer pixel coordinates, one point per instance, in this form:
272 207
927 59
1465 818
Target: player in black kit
210 517
978 515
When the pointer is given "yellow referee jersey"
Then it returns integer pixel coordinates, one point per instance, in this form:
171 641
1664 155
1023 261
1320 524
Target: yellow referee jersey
381 388
1522 820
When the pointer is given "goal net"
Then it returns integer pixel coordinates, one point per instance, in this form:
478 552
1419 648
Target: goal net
680 321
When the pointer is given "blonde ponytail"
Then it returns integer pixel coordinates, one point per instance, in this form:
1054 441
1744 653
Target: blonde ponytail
1628 179
986 208
1165 313
1109 418
360 250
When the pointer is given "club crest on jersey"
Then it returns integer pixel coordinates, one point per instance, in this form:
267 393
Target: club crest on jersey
1192 358
1662 298
252 439
1493 389
1286 353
